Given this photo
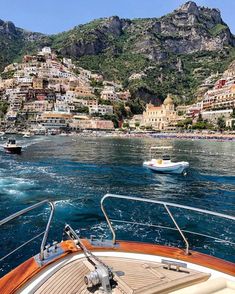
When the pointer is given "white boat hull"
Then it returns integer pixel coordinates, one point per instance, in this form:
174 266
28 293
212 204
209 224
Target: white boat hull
167 168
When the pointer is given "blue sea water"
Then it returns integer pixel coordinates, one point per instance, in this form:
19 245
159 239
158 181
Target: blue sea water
75 172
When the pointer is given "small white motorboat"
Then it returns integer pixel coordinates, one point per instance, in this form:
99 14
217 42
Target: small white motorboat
27 135
2 135
164 164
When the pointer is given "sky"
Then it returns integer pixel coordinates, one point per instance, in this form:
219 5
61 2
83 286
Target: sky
54 16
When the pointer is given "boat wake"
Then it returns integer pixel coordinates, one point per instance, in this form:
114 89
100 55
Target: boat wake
17 187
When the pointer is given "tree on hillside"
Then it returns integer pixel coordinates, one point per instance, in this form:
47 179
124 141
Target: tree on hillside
136 106
221 123
185 123
3 108
200 119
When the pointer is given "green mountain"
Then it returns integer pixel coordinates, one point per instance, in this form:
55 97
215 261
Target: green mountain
14 42
174 53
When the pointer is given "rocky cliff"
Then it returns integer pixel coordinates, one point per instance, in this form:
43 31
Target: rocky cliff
172 53
186 30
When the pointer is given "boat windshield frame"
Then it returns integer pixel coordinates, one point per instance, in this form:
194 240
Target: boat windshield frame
160 150
166 157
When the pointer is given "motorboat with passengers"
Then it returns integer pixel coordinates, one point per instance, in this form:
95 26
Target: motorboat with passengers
12 147
93 265
164 164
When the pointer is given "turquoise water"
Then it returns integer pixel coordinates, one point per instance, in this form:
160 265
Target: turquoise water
76 172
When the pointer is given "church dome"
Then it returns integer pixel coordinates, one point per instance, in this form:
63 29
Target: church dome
168 100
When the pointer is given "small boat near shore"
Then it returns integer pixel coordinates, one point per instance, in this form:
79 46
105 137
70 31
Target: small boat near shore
27 135
164 164
12 147
2 135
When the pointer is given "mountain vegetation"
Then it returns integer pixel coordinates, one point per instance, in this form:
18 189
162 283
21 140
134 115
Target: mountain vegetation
151 57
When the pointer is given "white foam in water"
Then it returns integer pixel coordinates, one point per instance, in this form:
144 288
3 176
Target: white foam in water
15 186
30 143
62 203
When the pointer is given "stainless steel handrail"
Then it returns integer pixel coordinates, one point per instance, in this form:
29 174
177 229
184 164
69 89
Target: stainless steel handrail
166 205
173 229
24 211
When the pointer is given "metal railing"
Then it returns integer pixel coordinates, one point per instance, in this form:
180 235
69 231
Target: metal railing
167 206
44 233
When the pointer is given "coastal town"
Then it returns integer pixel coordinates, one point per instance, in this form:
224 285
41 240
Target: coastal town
117 147
46 94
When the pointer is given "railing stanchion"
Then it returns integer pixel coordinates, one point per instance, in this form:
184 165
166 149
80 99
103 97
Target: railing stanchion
107 219
47 230
178 228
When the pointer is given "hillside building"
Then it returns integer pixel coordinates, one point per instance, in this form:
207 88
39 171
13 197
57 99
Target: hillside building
160 117
101 109
109 94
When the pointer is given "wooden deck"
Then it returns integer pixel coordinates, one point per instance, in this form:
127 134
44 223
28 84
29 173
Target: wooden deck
18 277
137 277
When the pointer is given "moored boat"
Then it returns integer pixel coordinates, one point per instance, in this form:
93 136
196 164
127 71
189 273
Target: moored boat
164 164
27 135
2 135
78 265
12 147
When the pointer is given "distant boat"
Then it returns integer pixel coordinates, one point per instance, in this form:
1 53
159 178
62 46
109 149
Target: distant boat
12 147
27 135
2 135
164 164
52 132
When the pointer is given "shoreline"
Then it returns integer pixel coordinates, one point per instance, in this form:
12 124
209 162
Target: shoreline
199 136
185 136
156 135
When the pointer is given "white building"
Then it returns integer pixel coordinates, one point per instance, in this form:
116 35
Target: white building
65 74
70 95
62 106
101 109
11 115
55 120
25 80
87 102
213 115
46 50
85 73
109 94
136 121
230 123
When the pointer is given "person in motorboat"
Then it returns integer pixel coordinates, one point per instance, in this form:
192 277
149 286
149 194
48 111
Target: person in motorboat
12 147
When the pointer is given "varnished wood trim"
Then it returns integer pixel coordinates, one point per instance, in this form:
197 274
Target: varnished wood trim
171 252
24 272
